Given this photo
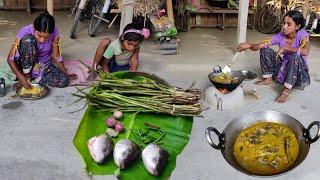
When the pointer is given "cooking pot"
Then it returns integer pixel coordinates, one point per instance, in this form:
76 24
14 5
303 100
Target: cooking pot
229 86
228 137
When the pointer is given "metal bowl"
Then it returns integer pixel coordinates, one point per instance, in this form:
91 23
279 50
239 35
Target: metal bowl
248 75
44 92
228 137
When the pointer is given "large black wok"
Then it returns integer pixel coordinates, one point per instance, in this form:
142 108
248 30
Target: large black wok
230 86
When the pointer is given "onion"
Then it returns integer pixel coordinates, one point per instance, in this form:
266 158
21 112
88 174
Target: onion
117 114
119 127
112 133
111 122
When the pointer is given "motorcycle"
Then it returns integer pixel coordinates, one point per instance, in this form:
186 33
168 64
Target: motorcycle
99 12
95 10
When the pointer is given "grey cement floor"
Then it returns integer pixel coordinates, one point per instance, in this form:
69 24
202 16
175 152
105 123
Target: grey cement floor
37 137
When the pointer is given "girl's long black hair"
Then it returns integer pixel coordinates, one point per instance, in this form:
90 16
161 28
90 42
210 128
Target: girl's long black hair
132 36
297 17
44 23
138 24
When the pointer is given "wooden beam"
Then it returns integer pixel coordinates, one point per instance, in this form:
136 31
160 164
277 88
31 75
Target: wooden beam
242 21
50 6
170 10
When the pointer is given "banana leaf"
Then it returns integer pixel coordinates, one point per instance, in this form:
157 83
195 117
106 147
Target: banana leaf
177 130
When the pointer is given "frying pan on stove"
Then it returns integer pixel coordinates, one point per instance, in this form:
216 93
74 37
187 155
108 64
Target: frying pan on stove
229 86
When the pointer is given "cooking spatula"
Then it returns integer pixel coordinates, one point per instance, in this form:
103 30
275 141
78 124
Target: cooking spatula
227 69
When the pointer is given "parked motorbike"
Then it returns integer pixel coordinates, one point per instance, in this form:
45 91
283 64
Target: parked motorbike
313 24
95 10
82 11
99 12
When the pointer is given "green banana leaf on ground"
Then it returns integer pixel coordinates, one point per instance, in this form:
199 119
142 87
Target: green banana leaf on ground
177 130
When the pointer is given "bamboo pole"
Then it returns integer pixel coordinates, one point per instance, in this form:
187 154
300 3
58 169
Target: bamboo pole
29 6
170 10
126 14
305 9
50 6
242 21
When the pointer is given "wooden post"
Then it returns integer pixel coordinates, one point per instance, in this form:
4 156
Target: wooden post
29 6
126 14
170 10
50 6
305 9
242 21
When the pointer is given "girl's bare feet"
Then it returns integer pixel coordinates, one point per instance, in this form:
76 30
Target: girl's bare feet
283 96
266 81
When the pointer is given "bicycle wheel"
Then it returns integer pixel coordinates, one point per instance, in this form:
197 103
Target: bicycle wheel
269 22
264 22
95 21
260 15
75 23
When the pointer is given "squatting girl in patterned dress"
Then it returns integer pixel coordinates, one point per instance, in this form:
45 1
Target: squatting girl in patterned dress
35 51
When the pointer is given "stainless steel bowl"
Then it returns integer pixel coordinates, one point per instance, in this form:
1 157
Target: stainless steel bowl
44 93
228 137
248 75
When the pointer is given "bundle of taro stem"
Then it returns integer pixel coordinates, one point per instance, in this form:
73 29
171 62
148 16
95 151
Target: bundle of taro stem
110 93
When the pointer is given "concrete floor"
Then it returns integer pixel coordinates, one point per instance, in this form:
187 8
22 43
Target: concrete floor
37 137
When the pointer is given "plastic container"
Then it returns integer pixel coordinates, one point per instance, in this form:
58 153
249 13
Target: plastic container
2 87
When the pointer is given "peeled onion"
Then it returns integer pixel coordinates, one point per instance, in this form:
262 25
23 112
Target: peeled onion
119 127
117 114
112 133
111 122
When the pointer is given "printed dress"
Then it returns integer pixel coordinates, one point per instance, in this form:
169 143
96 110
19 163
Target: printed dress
292 69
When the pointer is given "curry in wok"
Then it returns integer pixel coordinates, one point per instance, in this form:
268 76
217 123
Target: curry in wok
266 148
225 78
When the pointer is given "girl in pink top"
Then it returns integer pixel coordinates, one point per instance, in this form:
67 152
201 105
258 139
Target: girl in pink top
33 52
289 65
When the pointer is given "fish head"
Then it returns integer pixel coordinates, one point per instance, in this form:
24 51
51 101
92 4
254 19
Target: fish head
125 151
154 159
